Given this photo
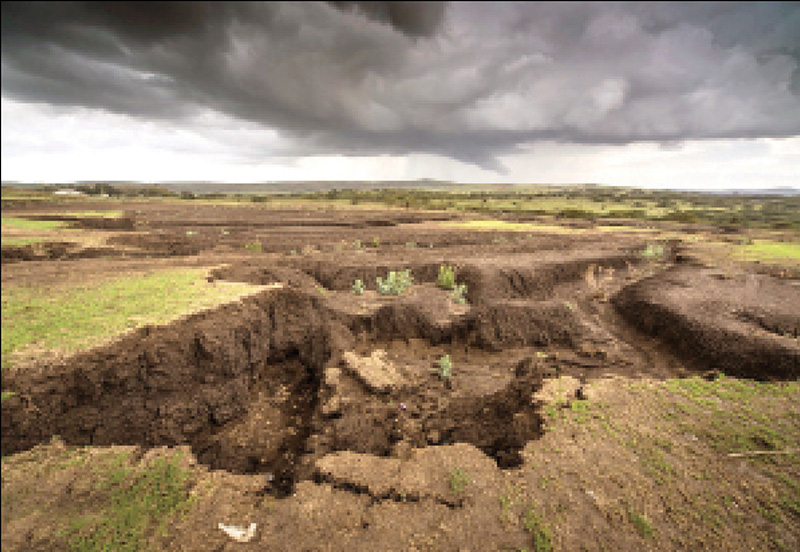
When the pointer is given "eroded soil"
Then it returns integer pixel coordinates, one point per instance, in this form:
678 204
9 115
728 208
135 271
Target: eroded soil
322 414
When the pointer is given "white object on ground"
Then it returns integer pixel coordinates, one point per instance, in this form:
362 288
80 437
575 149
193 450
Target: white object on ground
239 534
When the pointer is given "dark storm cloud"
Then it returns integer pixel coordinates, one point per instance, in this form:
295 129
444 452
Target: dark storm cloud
465 80
412 18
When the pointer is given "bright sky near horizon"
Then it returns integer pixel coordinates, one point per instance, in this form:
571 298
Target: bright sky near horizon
668 95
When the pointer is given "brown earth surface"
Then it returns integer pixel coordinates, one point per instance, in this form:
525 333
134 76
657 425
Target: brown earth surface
319 413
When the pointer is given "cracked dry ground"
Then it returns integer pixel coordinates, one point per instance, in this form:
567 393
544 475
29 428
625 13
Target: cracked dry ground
319 415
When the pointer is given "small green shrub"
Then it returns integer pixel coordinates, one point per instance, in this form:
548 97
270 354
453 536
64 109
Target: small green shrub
459 294
653 251
376 242
356 244
253 247
411 245
459 480
542 537
447 277
358 287
445 367
395 284
643 526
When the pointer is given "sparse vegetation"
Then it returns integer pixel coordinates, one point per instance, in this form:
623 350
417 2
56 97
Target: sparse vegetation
358 287
459 479
253 247
447 277
445 367
653 251
641 524
139 502
28 224
459 294
540 532
396 283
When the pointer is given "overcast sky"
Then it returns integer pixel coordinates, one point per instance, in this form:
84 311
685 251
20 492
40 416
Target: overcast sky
671 95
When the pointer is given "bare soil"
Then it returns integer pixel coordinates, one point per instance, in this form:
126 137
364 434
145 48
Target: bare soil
284 429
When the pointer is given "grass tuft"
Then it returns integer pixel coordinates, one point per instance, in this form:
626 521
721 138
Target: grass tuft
641 524
459 479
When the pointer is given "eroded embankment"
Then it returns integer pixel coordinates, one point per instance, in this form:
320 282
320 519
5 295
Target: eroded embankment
186 383
745 325
242 385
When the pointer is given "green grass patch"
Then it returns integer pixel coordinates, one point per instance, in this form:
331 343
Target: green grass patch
19 242
459 479
26 224
88 214
140 502
540 532
641 524
68 319
737 415
767 250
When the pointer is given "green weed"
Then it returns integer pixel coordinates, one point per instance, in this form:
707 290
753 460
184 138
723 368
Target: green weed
358 287
641 524
447 277
253 247
653 251
459 479
445 367
396 282
541 533
459 294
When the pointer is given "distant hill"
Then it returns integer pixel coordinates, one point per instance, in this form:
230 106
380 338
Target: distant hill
423 184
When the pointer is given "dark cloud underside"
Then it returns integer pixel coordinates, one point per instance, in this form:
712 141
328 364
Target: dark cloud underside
465 80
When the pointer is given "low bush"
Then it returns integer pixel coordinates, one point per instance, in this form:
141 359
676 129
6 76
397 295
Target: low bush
358 287
653 251
459 294
447 277
395 284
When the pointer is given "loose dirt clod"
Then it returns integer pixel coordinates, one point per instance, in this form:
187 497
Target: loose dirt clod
375 371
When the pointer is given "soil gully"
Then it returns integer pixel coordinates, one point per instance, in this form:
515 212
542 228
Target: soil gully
244 386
